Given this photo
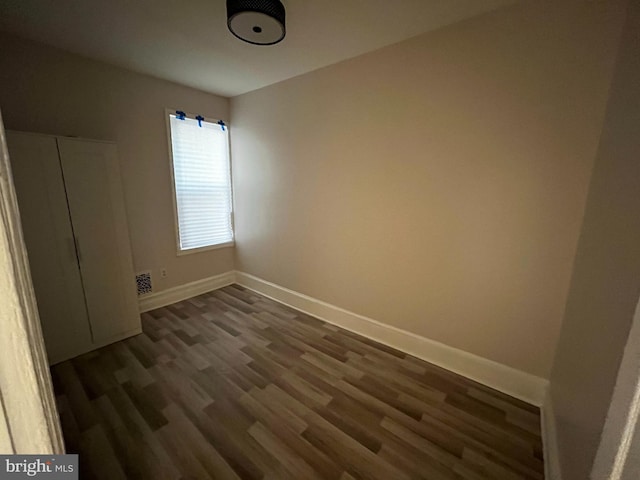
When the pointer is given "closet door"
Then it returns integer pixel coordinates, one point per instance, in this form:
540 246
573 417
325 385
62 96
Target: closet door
49 239
94 193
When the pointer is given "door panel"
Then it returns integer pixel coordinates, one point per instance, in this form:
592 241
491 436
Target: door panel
94 192
49 239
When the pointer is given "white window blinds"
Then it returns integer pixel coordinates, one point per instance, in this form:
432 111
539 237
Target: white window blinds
202 178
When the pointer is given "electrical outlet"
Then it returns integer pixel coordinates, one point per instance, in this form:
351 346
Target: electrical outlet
163 273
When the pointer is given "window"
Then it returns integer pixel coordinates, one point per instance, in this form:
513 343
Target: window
202 182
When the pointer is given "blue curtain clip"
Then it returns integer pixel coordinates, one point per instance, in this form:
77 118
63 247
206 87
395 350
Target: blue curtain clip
200 118
221 123
180 115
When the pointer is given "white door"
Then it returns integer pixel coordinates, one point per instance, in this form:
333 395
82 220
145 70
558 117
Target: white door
49 239
94 192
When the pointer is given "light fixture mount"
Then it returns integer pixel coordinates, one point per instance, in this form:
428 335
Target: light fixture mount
260 22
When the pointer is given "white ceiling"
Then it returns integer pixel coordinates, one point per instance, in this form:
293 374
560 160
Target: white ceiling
187 41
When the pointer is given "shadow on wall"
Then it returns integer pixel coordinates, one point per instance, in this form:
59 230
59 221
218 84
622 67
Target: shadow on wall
606 278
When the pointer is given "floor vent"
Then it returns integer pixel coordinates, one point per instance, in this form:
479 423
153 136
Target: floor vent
143 283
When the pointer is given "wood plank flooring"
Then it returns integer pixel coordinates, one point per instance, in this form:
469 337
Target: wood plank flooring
232 385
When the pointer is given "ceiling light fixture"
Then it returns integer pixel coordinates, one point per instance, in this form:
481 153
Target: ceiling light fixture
260 22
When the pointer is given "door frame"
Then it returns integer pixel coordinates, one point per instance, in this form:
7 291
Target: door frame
618 456
29 422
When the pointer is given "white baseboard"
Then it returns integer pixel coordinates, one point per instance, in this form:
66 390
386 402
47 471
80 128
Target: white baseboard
513 382
182 292
508 380
550 441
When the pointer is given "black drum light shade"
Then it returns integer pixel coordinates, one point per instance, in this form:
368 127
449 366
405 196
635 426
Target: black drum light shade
260 22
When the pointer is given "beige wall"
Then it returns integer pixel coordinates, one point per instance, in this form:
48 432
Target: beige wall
606 279
48 91
436 185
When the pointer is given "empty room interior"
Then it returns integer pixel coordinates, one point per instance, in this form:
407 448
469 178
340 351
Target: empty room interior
324 239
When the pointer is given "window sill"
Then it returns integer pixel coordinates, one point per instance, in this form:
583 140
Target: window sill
189 251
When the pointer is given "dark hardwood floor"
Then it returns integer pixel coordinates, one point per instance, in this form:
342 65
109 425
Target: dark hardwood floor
233 385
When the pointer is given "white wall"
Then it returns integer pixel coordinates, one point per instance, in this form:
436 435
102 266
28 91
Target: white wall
437 185
606 275
48 91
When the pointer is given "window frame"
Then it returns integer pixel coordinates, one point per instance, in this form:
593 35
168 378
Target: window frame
176 223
